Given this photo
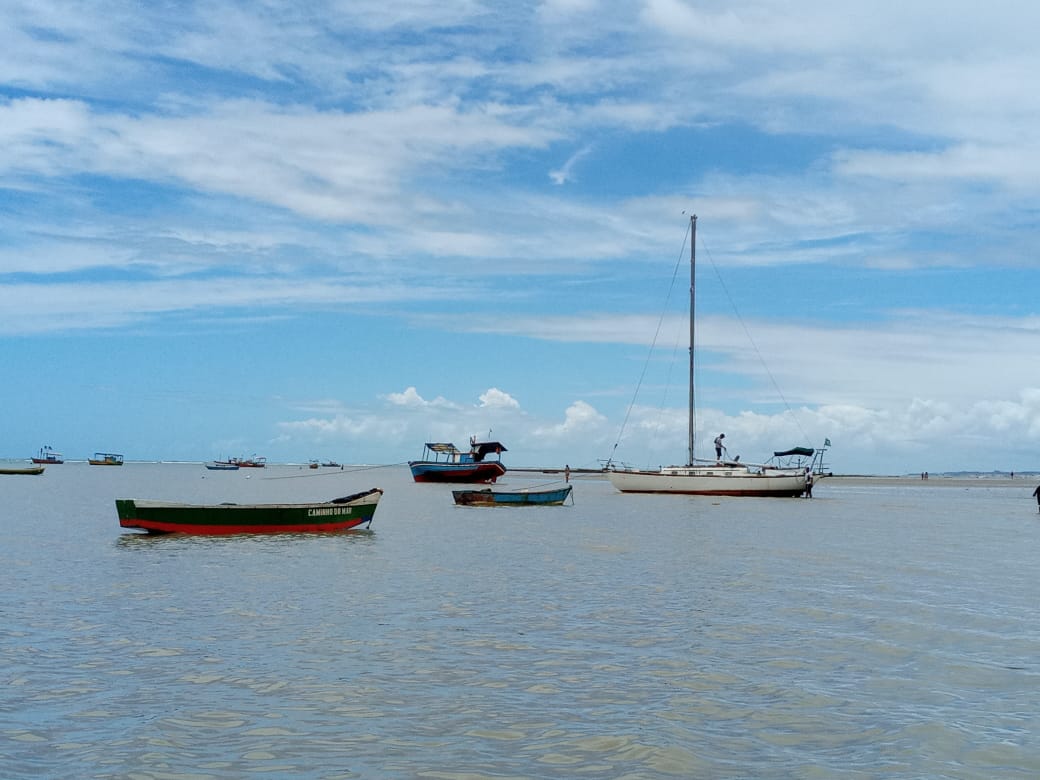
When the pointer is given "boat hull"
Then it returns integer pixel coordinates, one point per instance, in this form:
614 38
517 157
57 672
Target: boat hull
47 461
710 482
223 519
105 459
430 471
488 497
27 471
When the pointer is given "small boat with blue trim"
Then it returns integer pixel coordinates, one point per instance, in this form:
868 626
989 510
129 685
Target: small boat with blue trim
222 465
162 517
489 497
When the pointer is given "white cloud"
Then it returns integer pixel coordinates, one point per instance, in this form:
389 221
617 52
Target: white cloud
564 174
322 164
411 398
343 431
580 417
75 306
1017 164
493 398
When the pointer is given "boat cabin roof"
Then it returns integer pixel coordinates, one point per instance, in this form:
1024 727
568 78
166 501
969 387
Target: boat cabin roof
480 448
443 447
484 447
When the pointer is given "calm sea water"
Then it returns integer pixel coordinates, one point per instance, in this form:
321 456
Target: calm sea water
878 630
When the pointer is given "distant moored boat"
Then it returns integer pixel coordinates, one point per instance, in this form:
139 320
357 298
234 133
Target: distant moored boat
247 463
250 463
221 465
106 459
48 456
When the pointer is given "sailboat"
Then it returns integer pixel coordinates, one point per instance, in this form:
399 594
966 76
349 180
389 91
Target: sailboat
721 477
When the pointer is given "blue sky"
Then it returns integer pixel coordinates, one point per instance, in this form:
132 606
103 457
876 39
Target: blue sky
341 229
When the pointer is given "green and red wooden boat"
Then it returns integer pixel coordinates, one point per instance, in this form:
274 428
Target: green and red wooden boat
161 517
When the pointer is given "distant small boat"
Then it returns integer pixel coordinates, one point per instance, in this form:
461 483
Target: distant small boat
444 462
48 456
489 497
332 464
28 470
106 459
221 465
246 463
313 464
250 463
160 517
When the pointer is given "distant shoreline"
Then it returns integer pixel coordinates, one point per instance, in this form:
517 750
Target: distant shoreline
1026 479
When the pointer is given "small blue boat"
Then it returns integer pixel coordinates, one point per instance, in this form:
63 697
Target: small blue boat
489 497
220 465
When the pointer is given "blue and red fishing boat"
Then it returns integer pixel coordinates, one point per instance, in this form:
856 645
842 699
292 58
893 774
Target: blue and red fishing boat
444 462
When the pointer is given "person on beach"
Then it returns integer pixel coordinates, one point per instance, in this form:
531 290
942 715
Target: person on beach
567 473
808 482
1037 494
719 448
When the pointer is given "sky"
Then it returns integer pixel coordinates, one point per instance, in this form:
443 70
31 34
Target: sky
343 229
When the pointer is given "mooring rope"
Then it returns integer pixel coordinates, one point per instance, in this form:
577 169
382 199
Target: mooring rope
332 472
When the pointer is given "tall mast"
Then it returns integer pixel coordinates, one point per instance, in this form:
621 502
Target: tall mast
693 263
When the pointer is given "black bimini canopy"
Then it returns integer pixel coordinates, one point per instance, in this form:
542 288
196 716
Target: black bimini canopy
803 451
482 448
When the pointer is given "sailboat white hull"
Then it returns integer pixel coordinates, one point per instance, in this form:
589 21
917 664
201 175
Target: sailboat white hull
711 481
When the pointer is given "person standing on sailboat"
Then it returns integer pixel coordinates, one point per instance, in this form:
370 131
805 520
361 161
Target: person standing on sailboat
719 446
